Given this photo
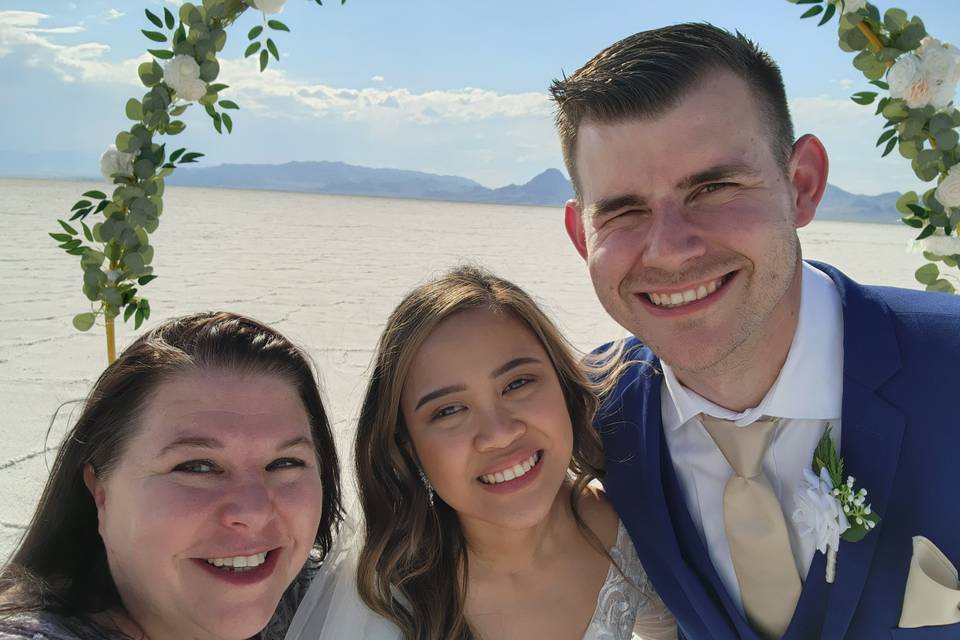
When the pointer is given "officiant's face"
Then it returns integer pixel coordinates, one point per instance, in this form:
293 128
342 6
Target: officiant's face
213 506
688 224
488 420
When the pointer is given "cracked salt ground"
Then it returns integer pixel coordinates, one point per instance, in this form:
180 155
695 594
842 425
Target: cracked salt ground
326 269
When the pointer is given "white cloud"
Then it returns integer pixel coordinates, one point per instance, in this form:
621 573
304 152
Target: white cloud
20 30
113 14
272 92
376 79
459 105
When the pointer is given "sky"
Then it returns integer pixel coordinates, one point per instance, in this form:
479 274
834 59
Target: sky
444 86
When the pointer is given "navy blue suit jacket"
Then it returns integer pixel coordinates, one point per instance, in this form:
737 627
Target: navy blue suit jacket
900 438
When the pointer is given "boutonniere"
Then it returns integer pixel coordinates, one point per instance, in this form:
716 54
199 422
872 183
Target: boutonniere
829 506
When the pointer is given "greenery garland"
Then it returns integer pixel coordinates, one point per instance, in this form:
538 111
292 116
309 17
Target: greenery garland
115 251
921 121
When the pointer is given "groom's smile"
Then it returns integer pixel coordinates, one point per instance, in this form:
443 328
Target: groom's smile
683 298
688 222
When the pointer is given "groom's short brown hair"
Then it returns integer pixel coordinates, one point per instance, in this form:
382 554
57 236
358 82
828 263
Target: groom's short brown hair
644 75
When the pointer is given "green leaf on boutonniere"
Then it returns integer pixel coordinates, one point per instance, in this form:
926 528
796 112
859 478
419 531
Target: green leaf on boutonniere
825 456
857 532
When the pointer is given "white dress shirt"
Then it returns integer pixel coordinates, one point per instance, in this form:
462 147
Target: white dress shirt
806 396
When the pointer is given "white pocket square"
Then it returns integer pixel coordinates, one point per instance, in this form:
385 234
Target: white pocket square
932 597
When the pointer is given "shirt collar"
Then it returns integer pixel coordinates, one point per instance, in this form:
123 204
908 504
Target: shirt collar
810 384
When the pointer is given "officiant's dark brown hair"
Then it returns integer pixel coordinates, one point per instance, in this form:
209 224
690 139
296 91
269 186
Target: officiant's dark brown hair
646 74
60 565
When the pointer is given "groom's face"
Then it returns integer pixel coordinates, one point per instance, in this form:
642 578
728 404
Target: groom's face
688 225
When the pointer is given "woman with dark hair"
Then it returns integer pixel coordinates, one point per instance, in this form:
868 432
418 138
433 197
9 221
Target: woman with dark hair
195 497
474 453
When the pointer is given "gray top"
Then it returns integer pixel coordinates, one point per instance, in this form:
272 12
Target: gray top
44 625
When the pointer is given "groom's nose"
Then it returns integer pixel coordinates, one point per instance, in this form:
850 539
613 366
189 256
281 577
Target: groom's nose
672 238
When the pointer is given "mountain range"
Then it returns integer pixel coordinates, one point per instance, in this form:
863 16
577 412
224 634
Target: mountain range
550 188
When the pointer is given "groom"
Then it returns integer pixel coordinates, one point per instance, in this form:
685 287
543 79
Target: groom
689 190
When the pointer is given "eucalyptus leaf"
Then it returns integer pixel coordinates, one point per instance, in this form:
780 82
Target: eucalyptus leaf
895 20
252 49
829 13
156 36
168 18
890 145
927 274
153 18
272 47
947 139
255 32
941 286
111 296
84 321
264 59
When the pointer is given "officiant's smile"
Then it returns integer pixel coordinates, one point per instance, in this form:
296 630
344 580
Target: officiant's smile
487 418
220 483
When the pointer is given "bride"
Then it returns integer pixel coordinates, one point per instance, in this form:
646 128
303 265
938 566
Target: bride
474 457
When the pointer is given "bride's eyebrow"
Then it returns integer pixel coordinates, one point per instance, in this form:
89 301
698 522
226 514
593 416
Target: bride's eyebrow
499 371
442 391
513 364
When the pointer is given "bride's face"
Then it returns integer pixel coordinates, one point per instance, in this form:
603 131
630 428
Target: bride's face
487 418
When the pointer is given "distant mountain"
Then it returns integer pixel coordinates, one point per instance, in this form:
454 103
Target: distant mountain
550 188
838 204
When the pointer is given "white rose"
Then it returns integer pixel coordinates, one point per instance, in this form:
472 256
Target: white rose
948 193
818 513
941 245
902 75
941 66
268 6
113 161
849 6
182 74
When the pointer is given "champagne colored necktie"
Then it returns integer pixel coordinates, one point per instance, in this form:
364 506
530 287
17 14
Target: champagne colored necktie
756 530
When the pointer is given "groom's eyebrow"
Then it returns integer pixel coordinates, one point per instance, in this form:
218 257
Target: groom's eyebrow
713 174
438 393
615 203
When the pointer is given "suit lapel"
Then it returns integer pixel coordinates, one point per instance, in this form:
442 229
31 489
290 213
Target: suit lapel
641 468
871 436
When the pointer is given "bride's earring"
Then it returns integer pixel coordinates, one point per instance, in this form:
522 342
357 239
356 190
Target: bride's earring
426 483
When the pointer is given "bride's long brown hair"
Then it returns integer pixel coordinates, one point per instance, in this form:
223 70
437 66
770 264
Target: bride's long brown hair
413 564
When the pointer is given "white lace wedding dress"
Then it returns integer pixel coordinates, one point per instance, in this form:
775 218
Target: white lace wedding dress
628 608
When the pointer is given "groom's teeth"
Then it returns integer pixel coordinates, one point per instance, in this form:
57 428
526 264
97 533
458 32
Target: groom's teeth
514 472
671 300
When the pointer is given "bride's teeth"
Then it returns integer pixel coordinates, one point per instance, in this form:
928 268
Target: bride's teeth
701 292
514 472
712 287
676 298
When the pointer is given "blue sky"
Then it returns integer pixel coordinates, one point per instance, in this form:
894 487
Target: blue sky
445 86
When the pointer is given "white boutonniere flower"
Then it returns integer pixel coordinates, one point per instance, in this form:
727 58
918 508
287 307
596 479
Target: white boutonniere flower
829 508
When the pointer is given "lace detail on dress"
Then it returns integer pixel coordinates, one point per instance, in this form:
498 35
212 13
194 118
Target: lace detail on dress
628 608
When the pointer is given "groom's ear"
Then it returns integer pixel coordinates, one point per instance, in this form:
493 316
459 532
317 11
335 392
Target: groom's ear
808 171
574 223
